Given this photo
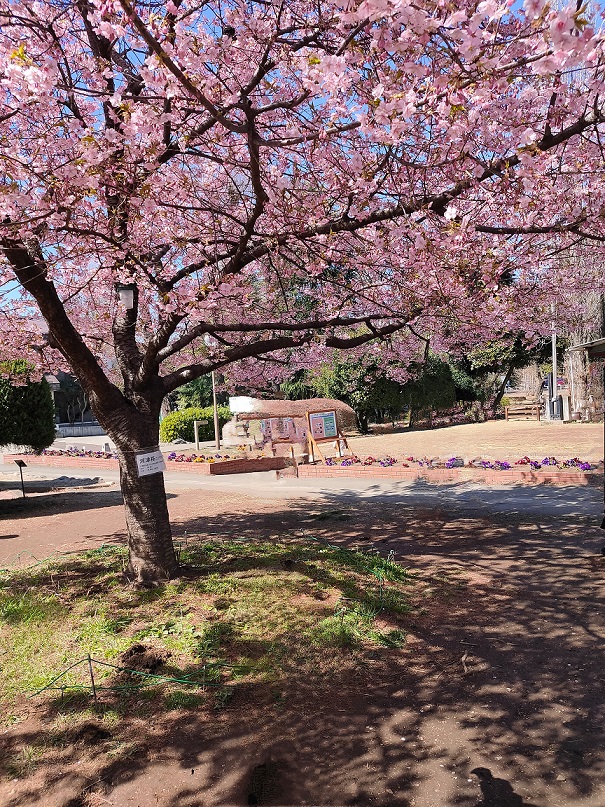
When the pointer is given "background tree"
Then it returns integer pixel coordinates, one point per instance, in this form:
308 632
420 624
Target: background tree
179 425
468 386
195 393
297 387
71 399
27 412
433 388
286 178
497 361
365 387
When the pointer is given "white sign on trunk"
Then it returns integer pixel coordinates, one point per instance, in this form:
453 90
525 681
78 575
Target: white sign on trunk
151 462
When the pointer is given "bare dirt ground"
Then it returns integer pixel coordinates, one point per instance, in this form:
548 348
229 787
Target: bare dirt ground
495 439
496 700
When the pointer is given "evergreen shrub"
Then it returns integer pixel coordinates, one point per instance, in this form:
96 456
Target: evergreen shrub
180 424
27 411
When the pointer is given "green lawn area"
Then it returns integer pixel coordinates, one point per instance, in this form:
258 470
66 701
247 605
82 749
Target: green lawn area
244 612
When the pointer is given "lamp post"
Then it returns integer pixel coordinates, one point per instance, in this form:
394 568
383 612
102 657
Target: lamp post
125 292
211 342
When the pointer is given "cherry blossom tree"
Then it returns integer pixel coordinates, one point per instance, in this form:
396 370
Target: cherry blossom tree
288 178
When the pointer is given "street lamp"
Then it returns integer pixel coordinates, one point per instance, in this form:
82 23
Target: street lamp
125 292
211 342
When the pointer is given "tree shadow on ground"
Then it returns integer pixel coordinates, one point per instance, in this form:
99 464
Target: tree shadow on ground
502 672
47 485
43 505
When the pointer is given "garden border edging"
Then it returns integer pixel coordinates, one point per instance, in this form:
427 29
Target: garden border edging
487 476
242 466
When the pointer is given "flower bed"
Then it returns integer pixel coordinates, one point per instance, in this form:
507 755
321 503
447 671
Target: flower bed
576 462
78 452
174 457
458 462
549 470
81 453
228 466
210 465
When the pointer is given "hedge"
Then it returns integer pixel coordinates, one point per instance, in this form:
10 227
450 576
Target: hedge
27 412
180 424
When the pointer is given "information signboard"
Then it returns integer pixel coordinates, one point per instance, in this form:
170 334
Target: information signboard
323 425
150 462
323 428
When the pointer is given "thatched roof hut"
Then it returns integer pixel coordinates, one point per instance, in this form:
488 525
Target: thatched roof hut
262 410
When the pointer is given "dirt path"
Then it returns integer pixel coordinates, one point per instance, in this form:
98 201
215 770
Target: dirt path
497 700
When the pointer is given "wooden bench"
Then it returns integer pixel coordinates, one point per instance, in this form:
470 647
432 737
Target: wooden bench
523 412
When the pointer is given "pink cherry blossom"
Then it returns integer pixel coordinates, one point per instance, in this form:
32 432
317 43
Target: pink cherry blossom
291 179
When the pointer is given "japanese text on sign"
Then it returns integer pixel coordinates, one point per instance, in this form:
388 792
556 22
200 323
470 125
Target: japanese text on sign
150 463
323 425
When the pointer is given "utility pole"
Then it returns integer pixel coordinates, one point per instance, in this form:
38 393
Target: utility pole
211 342
217 431
554 402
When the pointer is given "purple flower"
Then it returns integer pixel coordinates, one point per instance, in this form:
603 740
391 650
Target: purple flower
387 462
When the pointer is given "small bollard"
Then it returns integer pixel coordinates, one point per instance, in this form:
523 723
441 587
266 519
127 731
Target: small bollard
21 465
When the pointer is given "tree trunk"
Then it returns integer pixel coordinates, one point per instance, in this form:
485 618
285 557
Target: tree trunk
362 422
152 558
501 390
150 549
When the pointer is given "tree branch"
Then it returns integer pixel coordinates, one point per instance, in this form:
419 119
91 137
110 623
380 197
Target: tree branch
436 203
29 267
259 348
176 71
245 327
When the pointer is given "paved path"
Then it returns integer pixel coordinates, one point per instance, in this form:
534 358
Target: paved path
48 524
580 500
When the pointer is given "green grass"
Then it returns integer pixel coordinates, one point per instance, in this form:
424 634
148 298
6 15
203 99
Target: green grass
256 612
24 762
26 607
249 624
178 699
